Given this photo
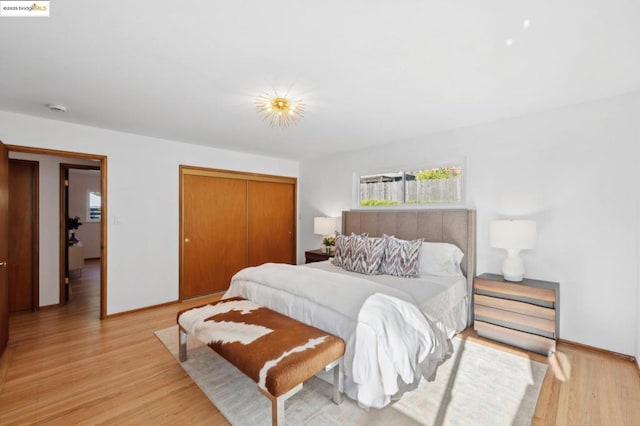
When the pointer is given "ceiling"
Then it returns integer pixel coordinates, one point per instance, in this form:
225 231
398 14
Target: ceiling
370 71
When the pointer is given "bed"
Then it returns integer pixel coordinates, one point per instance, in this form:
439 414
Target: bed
396 330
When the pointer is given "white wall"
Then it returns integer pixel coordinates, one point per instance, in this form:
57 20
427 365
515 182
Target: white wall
574 170
142 177
80 183
49 213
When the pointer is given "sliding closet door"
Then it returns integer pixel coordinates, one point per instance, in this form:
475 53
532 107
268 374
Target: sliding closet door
271 222
230 220
214 243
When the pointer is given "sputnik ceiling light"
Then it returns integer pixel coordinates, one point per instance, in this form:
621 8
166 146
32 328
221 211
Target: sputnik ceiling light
280 111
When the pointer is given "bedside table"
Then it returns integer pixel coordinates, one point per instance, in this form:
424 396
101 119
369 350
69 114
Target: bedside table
317 255
523 314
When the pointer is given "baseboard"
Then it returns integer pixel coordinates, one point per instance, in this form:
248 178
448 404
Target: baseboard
602 351
218 296
46 307
146 308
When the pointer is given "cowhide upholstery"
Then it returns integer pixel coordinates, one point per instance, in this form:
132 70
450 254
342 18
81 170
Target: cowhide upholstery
277 352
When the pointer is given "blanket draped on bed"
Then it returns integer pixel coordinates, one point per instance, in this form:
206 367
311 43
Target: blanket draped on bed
387 337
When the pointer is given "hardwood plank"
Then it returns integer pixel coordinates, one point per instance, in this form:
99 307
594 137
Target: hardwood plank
597 387
64 366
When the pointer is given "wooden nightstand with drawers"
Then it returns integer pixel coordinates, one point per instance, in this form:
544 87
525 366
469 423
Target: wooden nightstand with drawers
311 256
523 314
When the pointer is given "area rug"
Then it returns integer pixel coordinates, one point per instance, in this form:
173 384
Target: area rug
477 385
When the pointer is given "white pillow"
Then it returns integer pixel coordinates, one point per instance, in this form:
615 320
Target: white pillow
440 259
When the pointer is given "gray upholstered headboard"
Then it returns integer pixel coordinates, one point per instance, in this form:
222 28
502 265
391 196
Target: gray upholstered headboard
449 226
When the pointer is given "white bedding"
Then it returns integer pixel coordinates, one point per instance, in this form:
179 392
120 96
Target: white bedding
387 336
436 296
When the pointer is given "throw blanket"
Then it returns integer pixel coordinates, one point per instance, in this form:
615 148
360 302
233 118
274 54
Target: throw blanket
386 335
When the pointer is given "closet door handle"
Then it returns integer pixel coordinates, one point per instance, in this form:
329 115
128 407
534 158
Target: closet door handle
3 264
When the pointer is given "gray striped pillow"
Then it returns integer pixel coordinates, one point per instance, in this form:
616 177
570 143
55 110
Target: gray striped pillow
344 248
401 257
358 253
375 255
357 259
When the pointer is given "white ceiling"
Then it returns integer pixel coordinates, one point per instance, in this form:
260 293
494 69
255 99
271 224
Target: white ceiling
370 71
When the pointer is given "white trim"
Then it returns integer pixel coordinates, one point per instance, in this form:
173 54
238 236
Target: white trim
88 217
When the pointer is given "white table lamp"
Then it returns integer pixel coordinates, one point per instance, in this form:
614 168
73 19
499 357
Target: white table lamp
513 236
325 225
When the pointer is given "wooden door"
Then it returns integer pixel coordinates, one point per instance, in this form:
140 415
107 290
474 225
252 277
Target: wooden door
65 285
23 225
214 241
271 221
4 240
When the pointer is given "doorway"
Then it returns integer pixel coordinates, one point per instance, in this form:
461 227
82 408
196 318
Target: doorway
65 157
80 204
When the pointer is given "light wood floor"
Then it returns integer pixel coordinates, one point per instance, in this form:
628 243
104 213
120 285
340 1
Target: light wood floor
65 366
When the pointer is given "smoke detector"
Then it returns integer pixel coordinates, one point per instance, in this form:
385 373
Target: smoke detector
57 107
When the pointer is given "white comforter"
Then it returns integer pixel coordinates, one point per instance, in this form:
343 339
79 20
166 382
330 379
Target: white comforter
386 335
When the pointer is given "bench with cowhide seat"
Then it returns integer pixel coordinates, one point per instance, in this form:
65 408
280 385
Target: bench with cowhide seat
277 352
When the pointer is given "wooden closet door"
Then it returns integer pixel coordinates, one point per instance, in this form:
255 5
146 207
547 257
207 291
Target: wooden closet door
271 222
214 242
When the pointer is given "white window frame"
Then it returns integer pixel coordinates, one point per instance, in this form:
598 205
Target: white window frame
89 218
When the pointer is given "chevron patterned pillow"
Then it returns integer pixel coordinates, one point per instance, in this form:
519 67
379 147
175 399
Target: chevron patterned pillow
401 257
358 253
375 255
344 249
340 249
356 261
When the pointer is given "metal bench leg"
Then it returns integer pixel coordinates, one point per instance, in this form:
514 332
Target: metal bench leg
277 404
182 350
337 383
338 386
277 411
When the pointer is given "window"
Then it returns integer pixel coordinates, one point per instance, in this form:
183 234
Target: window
436 185
94 207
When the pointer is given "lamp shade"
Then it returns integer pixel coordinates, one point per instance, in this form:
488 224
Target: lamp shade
325 225
512 234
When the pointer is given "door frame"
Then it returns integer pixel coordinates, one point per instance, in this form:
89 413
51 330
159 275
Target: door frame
4 247
62 220
64 232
